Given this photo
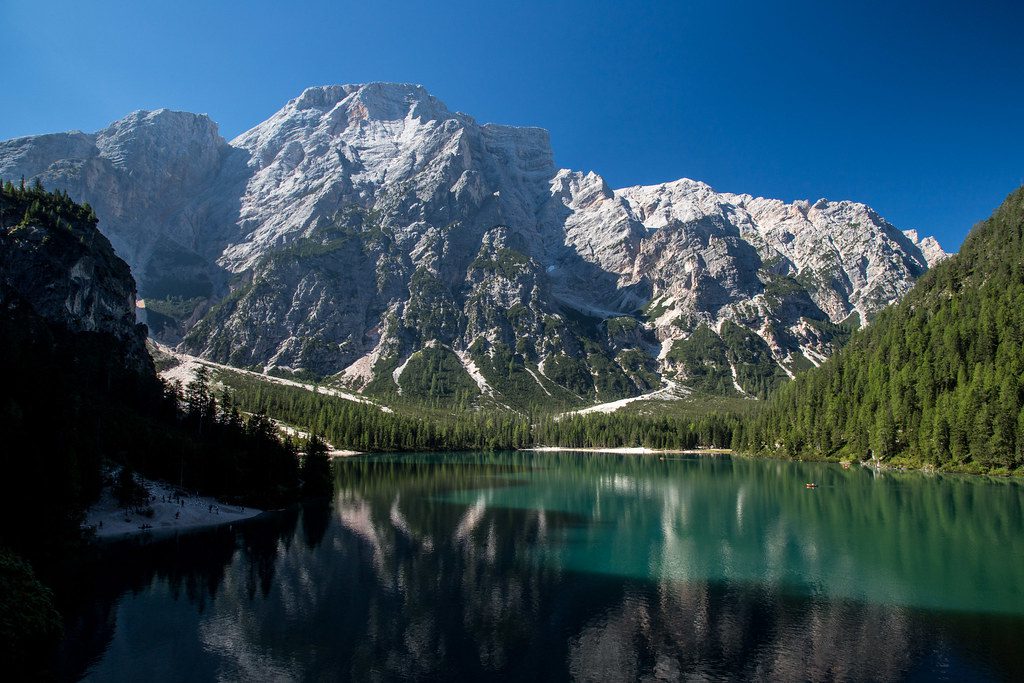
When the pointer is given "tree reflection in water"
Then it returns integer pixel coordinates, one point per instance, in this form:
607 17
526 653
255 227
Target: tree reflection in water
570 567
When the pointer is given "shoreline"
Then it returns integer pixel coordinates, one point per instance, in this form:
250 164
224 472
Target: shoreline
879 467
171 514
631 450
163 533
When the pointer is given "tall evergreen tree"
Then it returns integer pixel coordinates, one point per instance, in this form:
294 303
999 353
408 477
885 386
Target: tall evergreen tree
317 477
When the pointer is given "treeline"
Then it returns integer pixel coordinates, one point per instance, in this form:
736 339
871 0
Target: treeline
933 381
32 204
614 430
364 427
228 455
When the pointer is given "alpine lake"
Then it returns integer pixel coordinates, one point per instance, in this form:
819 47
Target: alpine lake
576 566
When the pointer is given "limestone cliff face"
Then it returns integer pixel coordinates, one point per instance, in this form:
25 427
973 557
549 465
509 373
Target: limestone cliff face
361 224
57 266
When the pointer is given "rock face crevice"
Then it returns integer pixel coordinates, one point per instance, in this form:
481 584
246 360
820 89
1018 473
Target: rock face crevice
361 223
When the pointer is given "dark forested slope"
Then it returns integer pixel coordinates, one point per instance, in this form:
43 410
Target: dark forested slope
934 381
79 388
77 391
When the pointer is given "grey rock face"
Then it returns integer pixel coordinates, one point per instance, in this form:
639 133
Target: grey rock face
147 175
360 224
68 275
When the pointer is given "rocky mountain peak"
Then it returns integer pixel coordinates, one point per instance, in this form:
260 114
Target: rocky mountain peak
142 124
383 147
322 97
380 100
341 110
681 200
182 144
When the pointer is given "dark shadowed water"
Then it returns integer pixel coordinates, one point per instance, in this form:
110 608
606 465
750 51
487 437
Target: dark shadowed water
528 566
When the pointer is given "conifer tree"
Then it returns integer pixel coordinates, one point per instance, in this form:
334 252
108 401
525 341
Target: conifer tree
317 478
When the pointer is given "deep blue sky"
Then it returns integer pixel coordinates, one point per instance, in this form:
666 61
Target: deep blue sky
915 108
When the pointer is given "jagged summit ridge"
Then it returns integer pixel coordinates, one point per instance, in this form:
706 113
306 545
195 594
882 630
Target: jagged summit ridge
379 101
875 261
355 228
390 146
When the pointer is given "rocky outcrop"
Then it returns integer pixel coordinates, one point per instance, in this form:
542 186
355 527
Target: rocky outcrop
362 223
55 265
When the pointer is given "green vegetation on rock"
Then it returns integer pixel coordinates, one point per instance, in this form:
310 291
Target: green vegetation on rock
436 374
756 370
507 262
431 310
703 360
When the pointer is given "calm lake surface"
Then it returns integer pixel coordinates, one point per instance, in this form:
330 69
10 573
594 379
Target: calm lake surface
554 566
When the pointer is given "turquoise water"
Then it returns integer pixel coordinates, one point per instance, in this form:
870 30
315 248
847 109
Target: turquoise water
557 566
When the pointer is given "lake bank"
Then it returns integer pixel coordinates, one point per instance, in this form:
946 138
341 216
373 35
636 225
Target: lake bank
631 450
168 511
895 464
624 550
341 453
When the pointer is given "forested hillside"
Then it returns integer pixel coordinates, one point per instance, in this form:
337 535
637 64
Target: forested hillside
934 381
79 394
433 427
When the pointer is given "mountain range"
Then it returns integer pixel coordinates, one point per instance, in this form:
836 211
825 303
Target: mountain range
369 236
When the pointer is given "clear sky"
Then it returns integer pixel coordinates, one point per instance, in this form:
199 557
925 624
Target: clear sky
915 108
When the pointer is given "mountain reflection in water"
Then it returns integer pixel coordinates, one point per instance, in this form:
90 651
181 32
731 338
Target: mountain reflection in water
584 567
